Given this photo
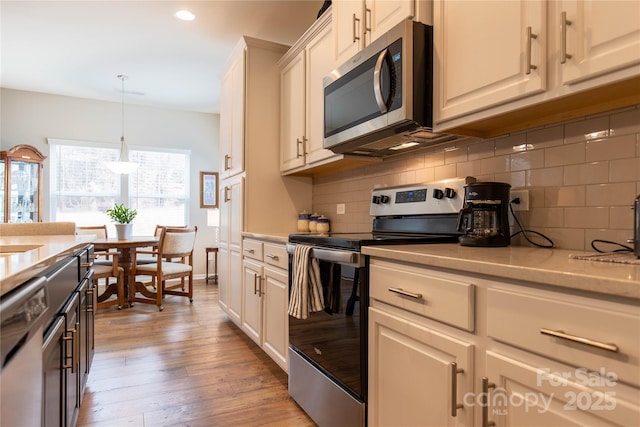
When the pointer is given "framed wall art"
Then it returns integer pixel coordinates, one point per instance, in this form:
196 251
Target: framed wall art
209 190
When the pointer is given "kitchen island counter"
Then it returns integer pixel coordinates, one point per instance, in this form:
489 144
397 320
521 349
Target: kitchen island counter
43 252
553 267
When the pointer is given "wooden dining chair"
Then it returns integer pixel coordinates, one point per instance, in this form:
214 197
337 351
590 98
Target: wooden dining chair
174 260
105 266
149 254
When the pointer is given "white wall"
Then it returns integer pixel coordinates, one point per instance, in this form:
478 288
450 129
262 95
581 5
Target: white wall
30 118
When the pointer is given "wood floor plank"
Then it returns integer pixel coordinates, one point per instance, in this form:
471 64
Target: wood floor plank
188 365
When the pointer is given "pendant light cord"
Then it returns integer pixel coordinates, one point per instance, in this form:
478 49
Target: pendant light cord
122 77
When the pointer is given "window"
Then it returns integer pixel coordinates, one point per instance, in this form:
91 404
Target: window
82 188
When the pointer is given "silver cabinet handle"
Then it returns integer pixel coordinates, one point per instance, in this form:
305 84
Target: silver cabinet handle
563 44
574 338
249 250
405 293
454 389
226 194
486 385
529 65
367 22
226 162
255 283
355 34
273 257
298 144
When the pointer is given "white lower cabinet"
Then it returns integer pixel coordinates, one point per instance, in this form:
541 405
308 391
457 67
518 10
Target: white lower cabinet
540 392
417 376
529 355
265 297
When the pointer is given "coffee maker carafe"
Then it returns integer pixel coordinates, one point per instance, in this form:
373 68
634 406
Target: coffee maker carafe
484 219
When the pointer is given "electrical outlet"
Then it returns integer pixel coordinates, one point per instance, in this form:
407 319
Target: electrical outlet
341 209
524 200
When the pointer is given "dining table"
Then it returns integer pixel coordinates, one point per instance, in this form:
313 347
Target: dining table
126 249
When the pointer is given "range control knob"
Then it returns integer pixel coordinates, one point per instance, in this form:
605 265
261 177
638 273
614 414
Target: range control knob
449 193
384 199
375 200
438 194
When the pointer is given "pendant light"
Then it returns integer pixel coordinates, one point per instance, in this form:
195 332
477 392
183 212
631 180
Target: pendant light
123 165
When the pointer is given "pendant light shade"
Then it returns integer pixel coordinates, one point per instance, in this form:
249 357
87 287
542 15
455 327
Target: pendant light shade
123 165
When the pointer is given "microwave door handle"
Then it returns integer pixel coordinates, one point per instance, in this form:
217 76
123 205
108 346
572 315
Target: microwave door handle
377 82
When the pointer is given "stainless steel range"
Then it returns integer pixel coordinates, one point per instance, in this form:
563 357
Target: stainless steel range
328 349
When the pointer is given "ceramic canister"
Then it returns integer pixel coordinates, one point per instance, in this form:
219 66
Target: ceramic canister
303 221
313 222
323 224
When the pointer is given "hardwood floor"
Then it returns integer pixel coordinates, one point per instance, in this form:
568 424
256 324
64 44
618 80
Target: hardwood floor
185 366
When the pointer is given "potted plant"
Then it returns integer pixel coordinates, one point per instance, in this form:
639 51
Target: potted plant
122 216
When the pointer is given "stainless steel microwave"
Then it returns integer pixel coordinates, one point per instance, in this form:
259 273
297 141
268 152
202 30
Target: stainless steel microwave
380 102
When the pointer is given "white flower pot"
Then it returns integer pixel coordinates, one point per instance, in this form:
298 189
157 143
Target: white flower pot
124 231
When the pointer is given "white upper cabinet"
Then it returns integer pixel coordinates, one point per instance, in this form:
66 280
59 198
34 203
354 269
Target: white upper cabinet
487 55
293 135
597 37
232 106
358 23
302 100
502 66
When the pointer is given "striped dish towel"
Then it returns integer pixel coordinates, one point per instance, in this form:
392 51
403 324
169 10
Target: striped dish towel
306 287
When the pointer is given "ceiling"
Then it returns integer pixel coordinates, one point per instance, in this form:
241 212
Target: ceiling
77 48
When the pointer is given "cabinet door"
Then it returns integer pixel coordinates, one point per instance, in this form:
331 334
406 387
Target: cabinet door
602 37
53 374
483 55
382 15
223 278
545 393
347 21
320 63
232 100
71 363
235 286
293 135
411 375
252 300
226 111
236 213
275 327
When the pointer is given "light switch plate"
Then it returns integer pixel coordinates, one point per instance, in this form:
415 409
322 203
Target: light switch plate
340 209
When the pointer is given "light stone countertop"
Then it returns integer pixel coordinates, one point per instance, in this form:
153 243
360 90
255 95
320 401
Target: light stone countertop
271 237
552 267
16 268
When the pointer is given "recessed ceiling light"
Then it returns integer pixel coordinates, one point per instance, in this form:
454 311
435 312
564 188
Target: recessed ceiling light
185 15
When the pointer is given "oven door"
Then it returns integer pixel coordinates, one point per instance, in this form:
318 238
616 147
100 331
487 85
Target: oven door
328 357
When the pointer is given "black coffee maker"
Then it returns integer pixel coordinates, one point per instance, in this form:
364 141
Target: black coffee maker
484 219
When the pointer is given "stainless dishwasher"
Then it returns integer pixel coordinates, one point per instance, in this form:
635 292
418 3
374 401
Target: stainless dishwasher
22 315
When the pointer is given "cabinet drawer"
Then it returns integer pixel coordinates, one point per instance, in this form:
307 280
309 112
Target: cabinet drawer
252 249
423 292
276 255
578 330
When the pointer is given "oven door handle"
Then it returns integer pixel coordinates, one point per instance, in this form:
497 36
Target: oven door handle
332 255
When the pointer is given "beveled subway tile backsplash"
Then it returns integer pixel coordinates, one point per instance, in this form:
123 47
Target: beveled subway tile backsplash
582 176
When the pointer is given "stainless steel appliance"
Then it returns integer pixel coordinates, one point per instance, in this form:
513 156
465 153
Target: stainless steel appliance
484 219
328 350
380 102
22 313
